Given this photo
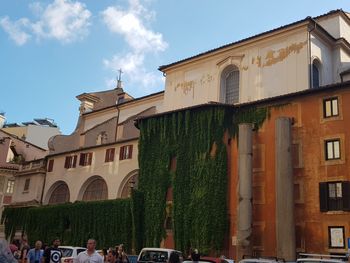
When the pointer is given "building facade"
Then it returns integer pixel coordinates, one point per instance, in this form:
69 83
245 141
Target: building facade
37 132
13 153
99 159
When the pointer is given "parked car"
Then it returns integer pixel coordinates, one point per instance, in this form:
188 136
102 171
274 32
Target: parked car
70 253
319 258
218 260
247 259
156 255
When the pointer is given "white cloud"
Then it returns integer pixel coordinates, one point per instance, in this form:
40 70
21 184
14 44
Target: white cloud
63 20
15 29
142 41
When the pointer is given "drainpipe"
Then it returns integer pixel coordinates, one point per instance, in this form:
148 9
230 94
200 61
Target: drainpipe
310 58
116 128
43 188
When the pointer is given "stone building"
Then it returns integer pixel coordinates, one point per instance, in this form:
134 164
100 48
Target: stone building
99 159
13 153
299 183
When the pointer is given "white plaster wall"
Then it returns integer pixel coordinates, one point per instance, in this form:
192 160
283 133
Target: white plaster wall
113 172
93 119
35 188
331 24
324 53
344 29
133 108
267 68
40 135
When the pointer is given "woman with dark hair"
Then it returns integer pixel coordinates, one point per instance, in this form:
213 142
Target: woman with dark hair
122 257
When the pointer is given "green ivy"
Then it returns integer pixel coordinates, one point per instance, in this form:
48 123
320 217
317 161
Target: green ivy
109 222
195 138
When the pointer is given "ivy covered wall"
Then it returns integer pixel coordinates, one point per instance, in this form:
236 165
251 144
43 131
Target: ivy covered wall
194 139
109 222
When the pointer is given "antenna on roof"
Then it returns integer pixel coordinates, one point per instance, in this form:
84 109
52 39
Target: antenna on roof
119 83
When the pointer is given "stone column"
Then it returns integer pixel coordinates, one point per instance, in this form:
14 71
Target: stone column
244 224
285 226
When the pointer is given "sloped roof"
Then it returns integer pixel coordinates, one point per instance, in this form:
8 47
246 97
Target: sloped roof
310 19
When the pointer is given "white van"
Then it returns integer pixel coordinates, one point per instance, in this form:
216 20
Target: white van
150 254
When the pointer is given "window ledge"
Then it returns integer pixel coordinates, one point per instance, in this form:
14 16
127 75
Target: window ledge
25 192
337 212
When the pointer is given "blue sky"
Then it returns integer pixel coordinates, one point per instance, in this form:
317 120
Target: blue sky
52 51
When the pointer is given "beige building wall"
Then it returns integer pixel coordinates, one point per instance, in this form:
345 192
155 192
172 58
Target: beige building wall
35 173
94 118
78 178
259 62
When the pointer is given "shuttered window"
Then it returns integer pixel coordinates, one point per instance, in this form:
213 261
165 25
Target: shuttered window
125 152
50 165
334 196
85 159
109 155
71 161
26 185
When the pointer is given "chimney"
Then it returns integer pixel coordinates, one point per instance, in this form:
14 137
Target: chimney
2 119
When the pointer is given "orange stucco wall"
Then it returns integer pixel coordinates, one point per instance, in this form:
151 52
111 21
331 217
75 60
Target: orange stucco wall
309 131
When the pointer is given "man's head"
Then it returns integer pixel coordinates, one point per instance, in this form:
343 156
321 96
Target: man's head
56 242
195 255
111 256
38 244
91 244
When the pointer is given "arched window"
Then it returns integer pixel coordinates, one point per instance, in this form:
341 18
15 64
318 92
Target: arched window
60 195
96 190
130 184
315 74
230 85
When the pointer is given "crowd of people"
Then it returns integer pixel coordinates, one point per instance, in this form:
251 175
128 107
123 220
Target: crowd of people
20 252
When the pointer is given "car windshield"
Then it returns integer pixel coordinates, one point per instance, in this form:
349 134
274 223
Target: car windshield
66 252
154 256
79 250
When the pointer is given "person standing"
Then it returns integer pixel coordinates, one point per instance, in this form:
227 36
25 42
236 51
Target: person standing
122 257
90 255
52 254
35 254
24 250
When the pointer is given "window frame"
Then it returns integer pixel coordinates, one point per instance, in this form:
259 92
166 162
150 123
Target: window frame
10 186
50 165
85 159
109 155
332 115
337 203
26 185
326 155
125 152
70 161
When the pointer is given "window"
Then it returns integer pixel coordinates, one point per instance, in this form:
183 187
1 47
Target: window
315 75
96 190
26 185
109 155
10 186
60 195
332 149
125 152
85 159
120 99
334 196
230 85
330 107
71 161
50 165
